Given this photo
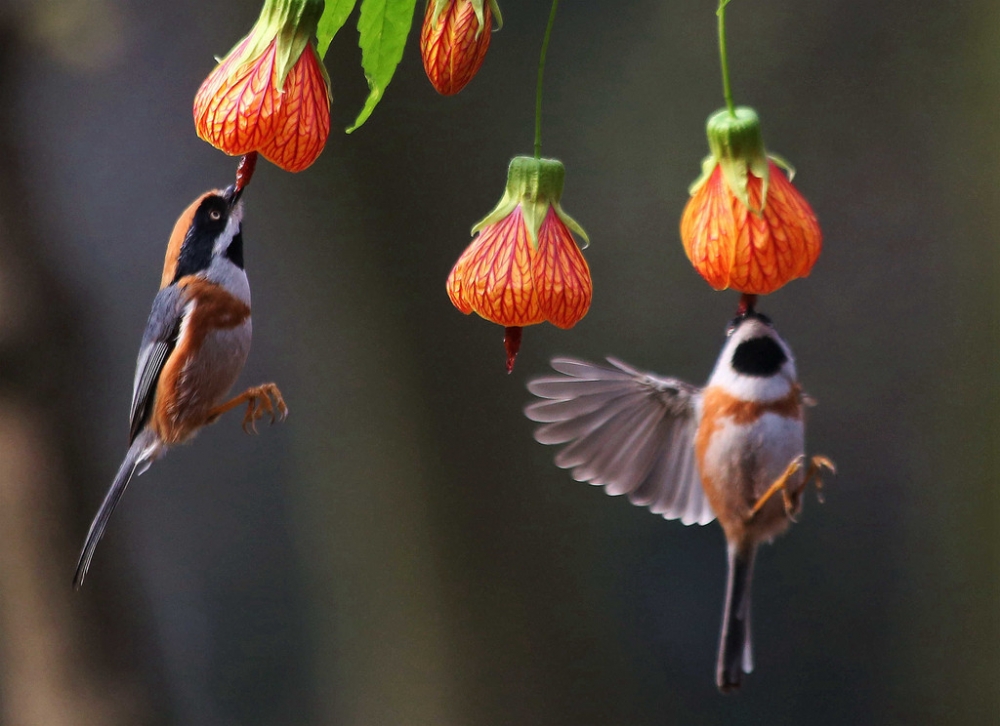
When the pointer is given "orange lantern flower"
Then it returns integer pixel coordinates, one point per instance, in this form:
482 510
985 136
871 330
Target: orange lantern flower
271 93
524 267
454 40
746 226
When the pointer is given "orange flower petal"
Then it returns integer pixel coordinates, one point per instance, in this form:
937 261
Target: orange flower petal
235 106
561 274
301 124
730 246
708 230
493 277
453 48
788 210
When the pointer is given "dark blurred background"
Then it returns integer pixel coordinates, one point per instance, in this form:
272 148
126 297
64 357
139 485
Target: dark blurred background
401 551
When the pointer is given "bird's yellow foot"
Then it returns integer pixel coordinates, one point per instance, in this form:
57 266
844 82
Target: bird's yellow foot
816 466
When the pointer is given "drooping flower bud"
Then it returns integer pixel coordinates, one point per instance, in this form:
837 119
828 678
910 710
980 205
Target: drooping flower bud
746 226
454 39
524 267
271 92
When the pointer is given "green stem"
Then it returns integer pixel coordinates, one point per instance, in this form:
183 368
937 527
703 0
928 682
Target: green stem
541 69
726 91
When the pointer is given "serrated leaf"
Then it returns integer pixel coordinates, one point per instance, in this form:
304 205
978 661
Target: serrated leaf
335 14
383 27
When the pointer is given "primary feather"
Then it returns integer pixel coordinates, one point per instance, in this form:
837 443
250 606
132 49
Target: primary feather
628 431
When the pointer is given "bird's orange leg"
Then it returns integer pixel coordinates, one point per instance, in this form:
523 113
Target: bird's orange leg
816 466
780 484
258 400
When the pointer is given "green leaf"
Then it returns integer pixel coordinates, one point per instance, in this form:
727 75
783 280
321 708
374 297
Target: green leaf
383 26
334 16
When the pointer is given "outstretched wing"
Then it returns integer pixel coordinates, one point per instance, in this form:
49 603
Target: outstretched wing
628 431
159 340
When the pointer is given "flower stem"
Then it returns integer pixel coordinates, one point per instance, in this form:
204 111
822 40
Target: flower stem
726 90
541 69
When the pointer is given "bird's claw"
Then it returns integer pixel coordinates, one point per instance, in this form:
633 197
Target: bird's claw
259 403
816 466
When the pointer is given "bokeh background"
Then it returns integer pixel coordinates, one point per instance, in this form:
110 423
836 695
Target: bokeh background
401 551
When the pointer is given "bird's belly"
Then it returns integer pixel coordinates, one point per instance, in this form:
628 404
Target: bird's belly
742 461
210 374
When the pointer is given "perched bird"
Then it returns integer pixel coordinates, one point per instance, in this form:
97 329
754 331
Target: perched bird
733 450
196 341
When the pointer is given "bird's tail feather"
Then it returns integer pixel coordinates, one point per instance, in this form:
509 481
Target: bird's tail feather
735 653
140 455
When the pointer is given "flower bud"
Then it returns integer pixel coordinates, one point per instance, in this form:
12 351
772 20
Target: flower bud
454 39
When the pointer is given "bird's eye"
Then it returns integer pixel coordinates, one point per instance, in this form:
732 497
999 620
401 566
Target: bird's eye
215 214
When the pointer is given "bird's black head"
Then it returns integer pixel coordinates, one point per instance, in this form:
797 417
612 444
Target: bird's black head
210 226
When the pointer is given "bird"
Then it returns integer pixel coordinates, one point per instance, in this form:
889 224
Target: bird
733 450
196 342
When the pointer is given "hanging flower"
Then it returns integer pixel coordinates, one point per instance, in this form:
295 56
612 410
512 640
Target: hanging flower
454 40
746 226
271 92
524 267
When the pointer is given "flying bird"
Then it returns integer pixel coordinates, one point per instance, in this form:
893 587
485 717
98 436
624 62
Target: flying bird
733 450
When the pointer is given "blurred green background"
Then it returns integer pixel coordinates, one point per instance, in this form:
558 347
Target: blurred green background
401 551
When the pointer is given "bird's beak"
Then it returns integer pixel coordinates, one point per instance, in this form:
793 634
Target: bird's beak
232 195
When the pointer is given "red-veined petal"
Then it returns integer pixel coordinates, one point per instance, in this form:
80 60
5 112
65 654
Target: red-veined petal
301 124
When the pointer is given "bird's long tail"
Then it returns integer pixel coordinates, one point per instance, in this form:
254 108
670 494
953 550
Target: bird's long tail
140 455
735 654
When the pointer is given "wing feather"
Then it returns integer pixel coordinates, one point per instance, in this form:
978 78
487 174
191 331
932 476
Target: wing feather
158 341
626 430
605 446
583 426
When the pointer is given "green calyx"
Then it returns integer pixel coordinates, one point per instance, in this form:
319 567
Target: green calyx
737 147
477 8
534 185
291 24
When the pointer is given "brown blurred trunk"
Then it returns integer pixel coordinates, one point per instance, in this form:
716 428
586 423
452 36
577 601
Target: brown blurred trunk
53 670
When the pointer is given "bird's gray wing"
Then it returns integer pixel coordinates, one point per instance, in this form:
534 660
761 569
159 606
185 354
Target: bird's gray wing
160 338
628 431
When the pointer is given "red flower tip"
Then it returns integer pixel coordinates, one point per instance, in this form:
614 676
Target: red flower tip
512 344
245 169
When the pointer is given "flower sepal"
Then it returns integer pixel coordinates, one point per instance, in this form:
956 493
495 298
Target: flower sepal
477 8
291 24
535 185
738 148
